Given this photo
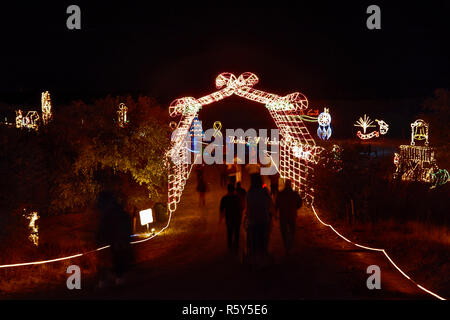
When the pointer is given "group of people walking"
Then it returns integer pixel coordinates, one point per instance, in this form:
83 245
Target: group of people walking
256 209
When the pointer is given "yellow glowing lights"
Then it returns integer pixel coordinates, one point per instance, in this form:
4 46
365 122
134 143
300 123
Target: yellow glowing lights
122 115
46 107
34 230
31 119
419 131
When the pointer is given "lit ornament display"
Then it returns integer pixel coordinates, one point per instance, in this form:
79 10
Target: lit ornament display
298 150
122 115
418 163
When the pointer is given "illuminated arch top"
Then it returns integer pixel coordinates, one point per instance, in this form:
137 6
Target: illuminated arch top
298 149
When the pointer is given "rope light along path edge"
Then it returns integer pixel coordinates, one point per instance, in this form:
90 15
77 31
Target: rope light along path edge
81 254
379 250
88 252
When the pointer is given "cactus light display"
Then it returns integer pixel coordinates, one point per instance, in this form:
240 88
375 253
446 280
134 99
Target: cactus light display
298 150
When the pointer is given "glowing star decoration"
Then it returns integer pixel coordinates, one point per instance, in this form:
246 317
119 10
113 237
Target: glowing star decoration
122 115
46 107
324 121
285 111
366 123
34 231
419 131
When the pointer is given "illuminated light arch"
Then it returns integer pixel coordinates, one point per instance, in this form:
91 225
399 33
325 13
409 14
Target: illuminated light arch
298 150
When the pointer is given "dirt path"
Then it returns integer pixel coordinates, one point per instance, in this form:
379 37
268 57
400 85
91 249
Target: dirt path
193 263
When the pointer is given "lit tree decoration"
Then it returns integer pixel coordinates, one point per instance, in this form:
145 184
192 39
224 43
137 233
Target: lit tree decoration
34 231
365 123
122 115
298 150
46 106
324 121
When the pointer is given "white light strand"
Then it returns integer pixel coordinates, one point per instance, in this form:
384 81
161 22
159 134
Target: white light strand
379 250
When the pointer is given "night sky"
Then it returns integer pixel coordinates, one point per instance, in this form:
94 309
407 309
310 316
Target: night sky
323 50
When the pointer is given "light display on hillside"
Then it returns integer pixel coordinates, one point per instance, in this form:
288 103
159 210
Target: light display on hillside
32 226
285 111
418 163
46 107
29 121
122 115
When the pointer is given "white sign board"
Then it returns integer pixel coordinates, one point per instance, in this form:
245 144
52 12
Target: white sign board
146 216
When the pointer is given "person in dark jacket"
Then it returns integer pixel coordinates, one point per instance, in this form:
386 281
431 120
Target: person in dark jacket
287 203
259 218
230 208
115 230
242 196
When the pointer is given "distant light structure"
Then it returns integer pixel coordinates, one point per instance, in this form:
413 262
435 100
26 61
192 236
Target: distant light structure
46 107
34 230
122 115
418 163
30 121
419 131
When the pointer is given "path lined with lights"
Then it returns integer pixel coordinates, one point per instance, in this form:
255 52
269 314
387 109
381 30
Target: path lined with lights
312 269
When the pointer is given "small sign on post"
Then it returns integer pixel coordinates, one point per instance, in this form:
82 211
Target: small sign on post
146 217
